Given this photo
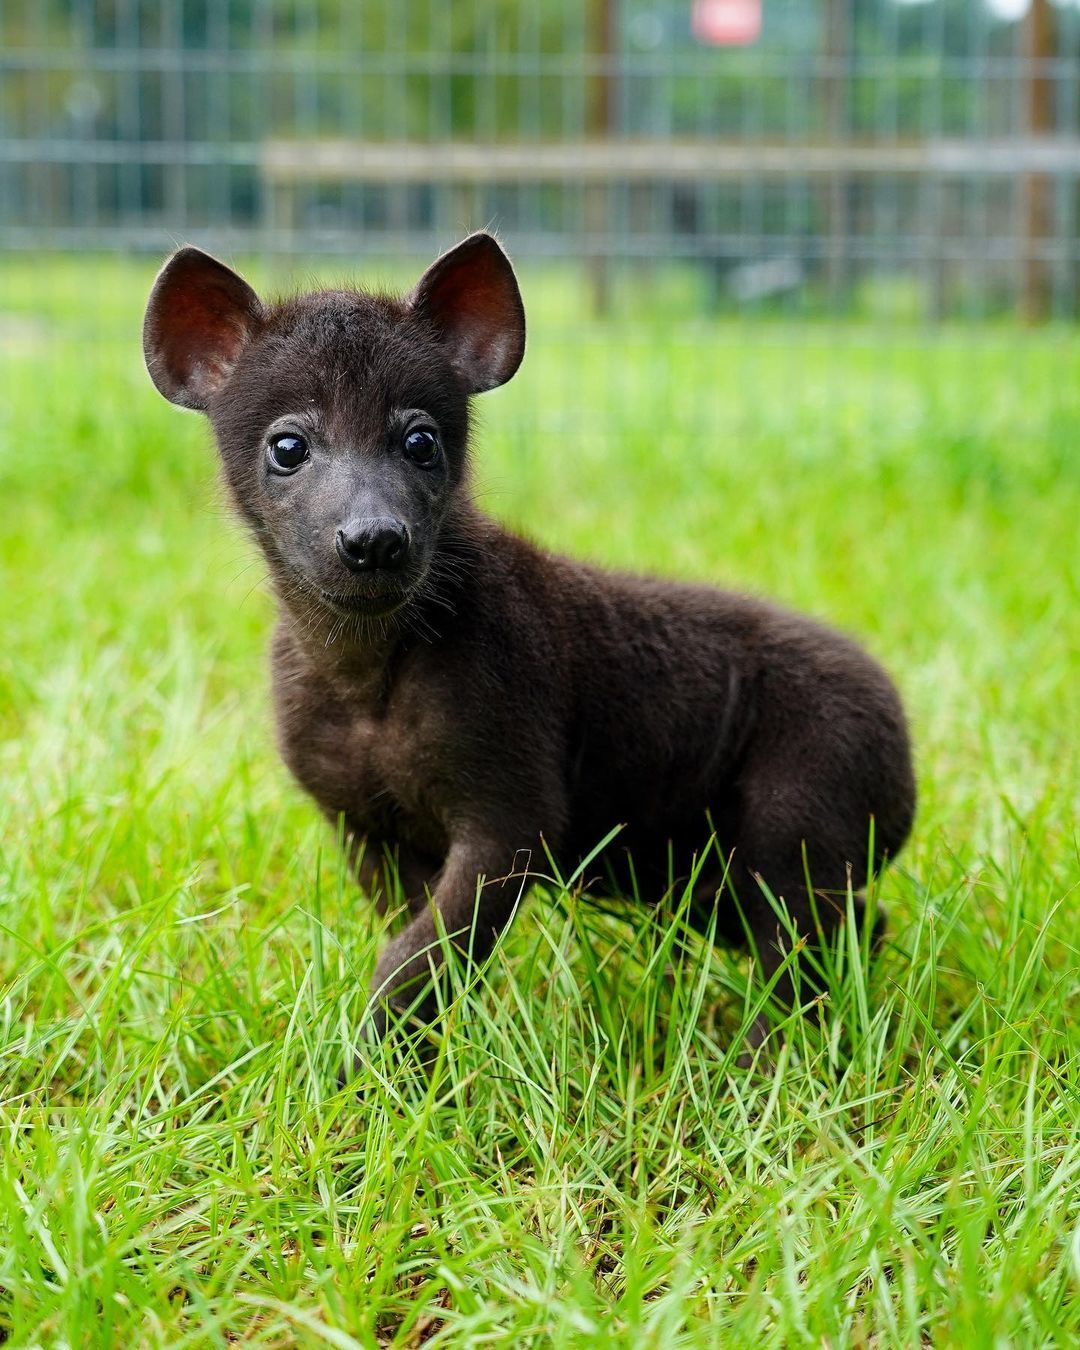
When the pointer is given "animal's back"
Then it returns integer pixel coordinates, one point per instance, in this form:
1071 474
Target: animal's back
666 690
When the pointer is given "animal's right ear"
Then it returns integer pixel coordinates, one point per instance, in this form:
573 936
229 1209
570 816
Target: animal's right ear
198 318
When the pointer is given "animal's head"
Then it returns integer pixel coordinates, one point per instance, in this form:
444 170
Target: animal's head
341 416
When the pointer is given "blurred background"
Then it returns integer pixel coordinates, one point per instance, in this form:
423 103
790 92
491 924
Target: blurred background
891 160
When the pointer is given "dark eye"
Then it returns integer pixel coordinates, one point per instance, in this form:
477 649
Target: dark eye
422 447
285 453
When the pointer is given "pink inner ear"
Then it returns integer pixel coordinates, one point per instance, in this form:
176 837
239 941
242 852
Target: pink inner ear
471 298
199 317
202 335
475 302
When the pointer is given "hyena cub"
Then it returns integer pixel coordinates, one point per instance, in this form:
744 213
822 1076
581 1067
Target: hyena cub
464 700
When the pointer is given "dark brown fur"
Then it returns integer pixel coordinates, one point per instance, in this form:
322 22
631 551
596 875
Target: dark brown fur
491 701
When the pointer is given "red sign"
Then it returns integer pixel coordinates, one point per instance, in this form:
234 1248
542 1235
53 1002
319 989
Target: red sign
726 23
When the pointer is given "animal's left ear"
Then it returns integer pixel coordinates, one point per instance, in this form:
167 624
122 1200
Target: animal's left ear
470 298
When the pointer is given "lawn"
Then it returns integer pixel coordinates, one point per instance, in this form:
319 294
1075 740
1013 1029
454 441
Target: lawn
182 957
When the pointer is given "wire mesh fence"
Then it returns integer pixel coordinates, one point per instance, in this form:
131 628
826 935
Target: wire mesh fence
836 175
857 155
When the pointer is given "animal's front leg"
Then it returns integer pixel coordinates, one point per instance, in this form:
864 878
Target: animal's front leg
474 898
390 873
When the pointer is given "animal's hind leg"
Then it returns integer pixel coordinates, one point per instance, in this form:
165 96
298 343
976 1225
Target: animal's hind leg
815 912
807 859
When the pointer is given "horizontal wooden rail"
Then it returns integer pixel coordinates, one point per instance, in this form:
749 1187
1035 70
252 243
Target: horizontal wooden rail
627 161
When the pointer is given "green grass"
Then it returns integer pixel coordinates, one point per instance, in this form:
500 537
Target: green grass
182 957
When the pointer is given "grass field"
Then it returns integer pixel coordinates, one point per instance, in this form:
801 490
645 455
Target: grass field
182 958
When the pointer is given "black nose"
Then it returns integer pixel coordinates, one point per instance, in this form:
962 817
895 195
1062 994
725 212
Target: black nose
367 545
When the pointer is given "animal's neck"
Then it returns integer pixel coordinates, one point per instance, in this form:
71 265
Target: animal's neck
355 653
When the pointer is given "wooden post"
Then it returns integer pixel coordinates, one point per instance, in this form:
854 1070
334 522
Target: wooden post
1036 291
837 125
600 122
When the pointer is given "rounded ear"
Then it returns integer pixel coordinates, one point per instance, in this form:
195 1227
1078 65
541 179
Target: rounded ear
470 298
198 318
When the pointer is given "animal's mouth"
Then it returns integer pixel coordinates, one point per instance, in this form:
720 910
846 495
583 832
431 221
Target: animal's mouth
370 606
